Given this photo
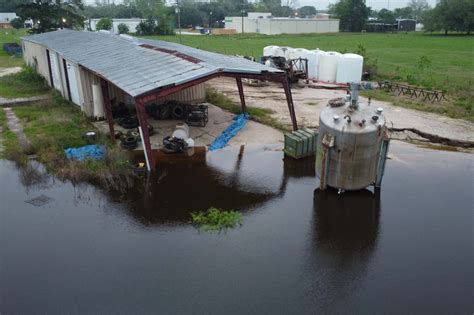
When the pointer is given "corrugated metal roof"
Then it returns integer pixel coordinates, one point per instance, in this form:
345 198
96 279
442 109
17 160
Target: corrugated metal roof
136 69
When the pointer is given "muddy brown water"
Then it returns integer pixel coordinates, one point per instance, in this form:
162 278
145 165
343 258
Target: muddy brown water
407 249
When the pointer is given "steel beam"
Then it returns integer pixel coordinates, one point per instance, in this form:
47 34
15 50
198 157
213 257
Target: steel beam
241 94
108 107
289 100
141 114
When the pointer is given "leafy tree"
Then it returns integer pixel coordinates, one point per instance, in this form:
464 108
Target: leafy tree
114 11
386 16
104 23
352 14
148 27
307 11
404 13
48 15
452 15
123 28
17 23
11 5
282 11
418 7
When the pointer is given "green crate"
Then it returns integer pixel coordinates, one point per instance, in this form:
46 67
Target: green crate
293 145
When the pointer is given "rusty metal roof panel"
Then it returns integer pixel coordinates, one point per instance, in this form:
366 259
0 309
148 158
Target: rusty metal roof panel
137 65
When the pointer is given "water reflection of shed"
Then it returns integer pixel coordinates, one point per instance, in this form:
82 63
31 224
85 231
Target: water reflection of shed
93 69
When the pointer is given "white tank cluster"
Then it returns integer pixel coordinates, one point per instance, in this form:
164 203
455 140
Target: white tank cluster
330 66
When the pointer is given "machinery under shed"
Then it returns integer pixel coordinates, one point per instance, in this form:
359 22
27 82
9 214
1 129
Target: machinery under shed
100 70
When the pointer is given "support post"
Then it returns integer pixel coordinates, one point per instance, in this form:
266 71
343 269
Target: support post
108 107
241 94
289 100
382 162
141 114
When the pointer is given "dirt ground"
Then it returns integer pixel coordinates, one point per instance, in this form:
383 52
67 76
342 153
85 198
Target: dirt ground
310 101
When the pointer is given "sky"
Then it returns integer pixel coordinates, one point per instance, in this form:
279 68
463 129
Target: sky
322 4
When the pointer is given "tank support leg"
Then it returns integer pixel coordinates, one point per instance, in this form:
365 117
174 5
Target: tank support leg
324 168
382 162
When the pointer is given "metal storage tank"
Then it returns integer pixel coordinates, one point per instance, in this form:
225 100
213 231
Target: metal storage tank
352 145
328 66
313 57
269 51
349 68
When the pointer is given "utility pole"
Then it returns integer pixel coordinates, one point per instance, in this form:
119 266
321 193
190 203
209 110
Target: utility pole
178 12
242 11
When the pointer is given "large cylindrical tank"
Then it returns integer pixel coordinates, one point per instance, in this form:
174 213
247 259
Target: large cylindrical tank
328 66
298 53
269 51
313 57
354 154
349 68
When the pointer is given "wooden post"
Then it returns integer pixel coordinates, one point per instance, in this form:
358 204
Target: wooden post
108 107
241 94
289 100
141 114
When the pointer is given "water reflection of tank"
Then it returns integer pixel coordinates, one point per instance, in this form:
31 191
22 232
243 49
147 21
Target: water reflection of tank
352 144
343 239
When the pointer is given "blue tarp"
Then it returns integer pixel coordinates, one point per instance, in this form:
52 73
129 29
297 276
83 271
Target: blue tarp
92 151
230 132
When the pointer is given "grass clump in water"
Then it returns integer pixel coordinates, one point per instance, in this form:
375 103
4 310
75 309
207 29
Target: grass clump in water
215 219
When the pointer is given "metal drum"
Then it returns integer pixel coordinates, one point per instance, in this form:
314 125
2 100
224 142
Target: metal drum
352 145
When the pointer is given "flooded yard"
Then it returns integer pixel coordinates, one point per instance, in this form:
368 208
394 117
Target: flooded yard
79 249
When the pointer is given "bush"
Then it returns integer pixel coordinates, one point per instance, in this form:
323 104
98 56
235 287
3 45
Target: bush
216 219
17 23
123 28
150 27
104 23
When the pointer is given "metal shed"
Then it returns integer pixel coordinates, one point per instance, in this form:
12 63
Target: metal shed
144 70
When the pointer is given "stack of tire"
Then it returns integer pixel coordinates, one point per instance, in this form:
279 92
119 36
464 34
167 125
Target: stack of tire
130 139
170 109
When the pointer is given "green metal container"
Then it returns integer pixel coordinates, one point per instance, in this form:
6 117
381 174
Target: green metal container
300 143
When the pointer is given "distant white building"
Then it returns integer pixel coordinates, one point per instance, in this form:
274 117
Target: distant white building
131 23
6 18
264 23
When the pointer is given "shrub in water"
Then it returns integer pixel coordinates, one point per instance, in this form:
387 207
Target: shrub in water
216 219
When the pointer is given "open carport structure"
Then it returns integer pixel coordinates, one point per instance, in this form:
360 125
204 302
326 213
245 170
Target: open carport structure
145 70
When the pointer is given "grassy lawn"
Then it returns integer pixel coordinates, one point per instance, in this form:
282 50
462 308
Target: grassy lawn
451 58
10 36
22 84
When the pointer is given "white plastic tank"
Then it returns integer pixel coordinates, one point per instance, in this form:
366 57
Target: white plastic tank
349 68
299 53
269 51
282 52
328 66
313 57
181 131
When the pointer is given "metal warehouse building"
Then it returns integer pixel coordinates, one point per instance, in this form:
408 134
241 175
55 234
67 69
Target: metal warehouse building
94 70
264 23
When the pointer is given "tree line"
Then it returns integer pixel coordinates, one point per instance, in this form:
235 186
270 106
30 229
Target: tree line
447 15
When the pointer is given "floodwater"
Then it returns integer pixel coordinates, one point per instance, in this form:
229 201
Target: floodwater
407 249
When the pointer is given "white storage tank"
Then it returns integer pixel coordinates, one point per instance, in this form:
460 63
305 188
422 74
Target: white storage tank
328 66
349 68
299 53
282 52
313 57
269 51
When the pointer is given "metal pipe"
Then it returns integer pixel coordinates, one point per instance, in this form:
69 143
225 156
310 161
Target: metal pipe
382 162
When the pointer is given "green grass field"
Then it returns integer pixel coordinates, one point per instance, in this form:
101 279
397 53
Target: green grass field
450 59
10 36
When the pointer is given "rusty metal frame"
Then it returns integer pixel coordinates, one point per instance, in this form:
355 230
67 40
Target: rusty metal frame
108 106
141 100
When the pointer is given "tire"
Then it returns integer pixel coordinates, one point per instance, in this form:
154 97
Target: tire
129 143
163 111
128 122
177 111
